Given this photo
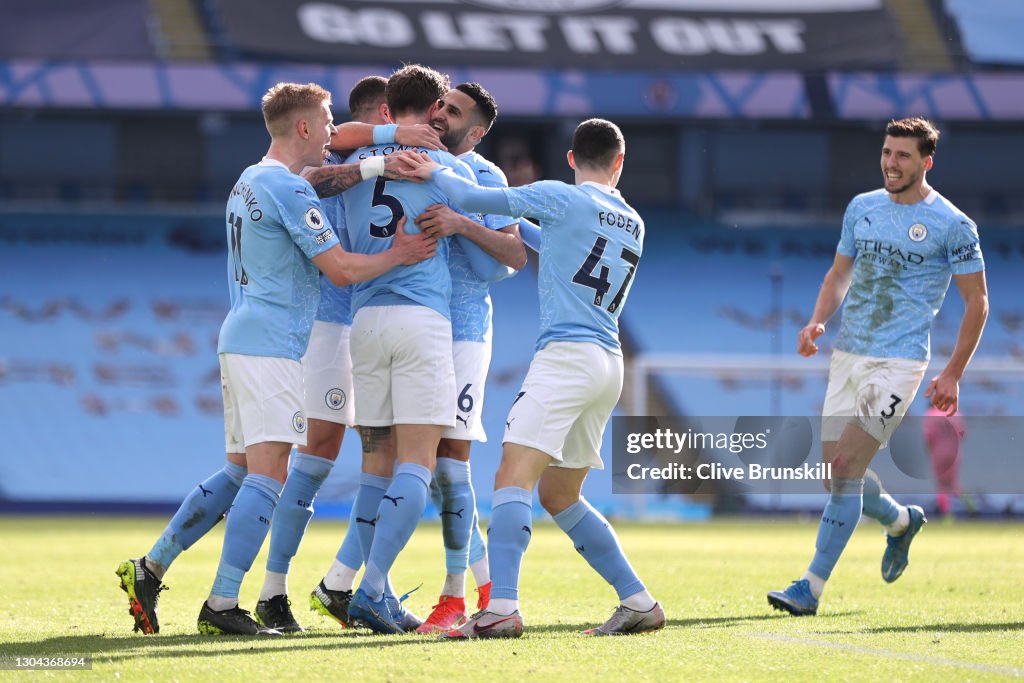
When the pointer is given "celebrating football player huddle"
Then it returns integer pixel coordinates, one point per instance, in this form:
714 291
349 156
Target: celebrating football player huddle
360 260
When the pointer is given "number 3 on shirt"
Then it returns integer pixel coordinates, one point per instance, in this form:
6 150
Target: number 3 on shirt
600 284
381 198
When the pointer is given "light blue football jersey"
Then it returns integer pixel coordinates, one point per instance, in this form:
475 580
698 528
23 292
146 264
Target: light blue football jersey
904 256
591 247
275 225
335 302
372 210
471 301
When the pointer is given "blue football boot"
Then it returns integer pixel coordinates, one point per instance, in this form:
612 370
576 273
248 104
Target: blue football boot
897 548
797 599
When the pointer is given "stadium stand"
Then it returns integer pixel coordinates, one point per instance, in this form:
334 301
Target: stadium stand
982 25
122 132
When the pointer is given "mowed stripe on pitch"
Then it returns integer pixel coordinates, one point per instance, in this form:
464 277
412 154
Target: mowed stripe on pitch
891 654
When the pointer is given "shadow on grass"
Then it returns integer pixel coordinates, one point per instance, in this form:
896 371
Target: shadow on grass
125 648
724 622
122 648
951 627
695 623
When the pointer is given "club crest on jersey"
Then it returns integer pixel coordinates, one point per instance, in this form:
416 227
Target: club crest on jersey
917 232
299 422
335 399
314 219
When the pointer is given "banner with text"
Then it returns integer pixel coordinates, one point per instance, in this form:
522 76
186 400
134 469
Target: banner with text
687 34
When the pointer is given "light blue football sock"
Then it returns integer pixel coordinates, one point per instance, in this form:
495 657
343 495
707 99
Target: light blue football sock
202 508
877 503
246 530
477 547
364 510
507 539
837 524
595 540
306 475
364 518
457 512
350 554
399 513
435 491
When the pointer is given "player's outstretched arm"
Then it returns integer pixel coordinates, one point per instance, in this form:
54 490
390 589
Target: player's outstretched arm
944 389
833 291
469 196
463 192
353 135
416 166
345 267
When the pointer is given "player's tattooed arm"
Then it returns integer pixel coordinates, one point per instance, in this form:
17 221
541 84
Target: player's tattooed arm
331 180
335 179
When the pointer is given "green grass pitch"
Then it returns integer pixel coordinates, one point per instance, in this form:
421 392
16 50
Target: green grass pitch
956 614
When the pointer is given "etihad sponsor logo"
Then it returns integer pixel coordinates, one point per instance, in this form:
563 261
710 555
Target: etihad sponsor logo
888 254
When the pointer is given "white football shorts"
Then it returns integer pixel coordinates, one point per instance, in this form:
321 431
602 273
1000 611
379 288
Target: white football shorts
262 401
875 392
472 359
402 366
565 402
327 374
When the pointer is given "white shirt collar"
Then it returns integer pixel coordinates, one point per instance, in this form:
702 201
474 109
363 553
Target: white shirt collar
271 162
604 188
